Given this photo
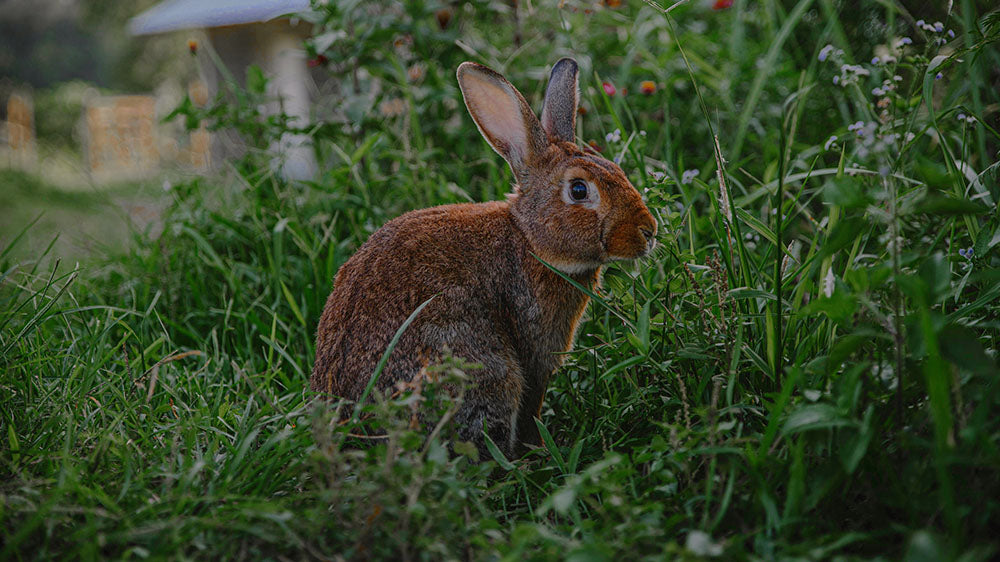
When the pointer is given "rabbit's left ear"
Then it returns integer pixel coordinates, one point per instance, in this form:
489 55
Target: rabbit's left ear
559 110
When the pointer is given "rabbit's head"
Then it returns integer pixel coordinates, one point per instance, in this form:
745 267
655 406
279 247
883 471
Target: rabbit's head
577 209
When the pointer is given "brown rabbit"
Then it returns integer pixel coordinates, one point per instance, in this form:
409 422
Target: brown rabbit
497 305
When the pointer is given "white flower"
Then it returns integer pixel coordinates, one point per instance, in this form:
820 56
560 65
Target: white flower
688 176
829 282
938 26
614 136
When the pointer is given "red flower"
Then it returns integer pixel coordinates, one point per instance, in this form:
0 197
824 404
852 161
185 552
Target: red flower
722 4
647 87
609 89
193 46
320 59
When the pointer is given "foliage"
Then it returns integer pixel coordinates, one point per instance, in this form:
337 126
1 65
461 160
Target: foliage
805 368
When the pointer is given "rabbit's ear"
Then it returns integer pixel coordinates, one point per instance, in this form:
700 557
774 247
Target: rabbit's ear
559 111
503 117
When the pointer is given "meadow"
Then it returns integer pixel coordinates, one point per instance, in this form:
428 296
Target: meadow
805 368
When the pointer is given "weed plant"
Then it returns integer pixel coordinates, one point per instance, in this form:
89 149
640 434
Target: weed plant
806 367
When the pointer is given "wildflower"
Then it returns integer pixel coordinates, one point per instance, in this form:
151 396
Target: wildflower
657 175
613 136
836 80
824 53
903 41
722 4
951 34
875 60
318 61
443 18
938 26
647 87
688 176
609 89
897 78
965 253
855 69
920 23
938 76
192 46
857 126
960 117
617 159
829 142
581 110
642 133
910 136
878 92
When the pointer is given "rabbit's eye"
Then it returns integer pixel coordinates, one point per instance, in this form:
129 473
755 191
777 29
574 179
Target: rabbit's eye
578 190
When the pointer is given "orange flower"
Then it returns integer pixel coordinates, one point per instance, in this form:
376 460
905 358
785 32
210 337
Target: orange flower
722 4
647 87
193 46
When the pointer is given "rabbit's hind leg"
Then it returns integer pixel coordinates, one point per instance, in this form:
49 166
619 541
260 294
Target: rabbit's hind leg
493 402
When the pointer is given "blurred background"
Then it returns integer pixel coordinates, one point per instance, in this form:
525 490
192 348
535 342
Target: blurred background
89 136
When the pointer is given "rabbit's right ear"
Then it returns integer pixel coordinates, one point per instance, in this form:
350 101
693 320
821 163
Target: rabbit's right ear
561 99
503 117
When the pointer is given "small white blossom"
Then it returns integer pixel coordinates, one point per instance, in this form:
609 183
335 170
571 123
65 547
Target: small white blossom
688 176
614 136
829 142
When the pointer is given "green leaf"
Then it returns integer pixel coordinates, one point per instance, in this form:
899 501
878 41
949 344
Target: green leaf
839 306
550 444
937 203
845 233
814 416
961 346
256 81
935 272
846 192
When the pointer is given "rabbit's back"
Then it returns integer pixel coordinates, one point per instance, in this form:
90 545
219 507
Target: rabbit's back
462 255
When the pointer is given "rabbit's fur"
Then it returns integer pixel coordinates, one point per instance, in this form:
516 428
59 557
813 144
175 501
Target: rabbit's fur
496 304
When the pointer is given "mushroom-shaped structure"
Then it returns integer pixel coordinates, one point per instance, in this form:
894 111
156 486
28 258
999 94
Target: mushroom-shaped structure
246 32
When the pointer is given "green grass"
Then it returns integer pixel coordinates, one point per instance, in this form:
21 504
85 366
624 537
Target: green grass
806 368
